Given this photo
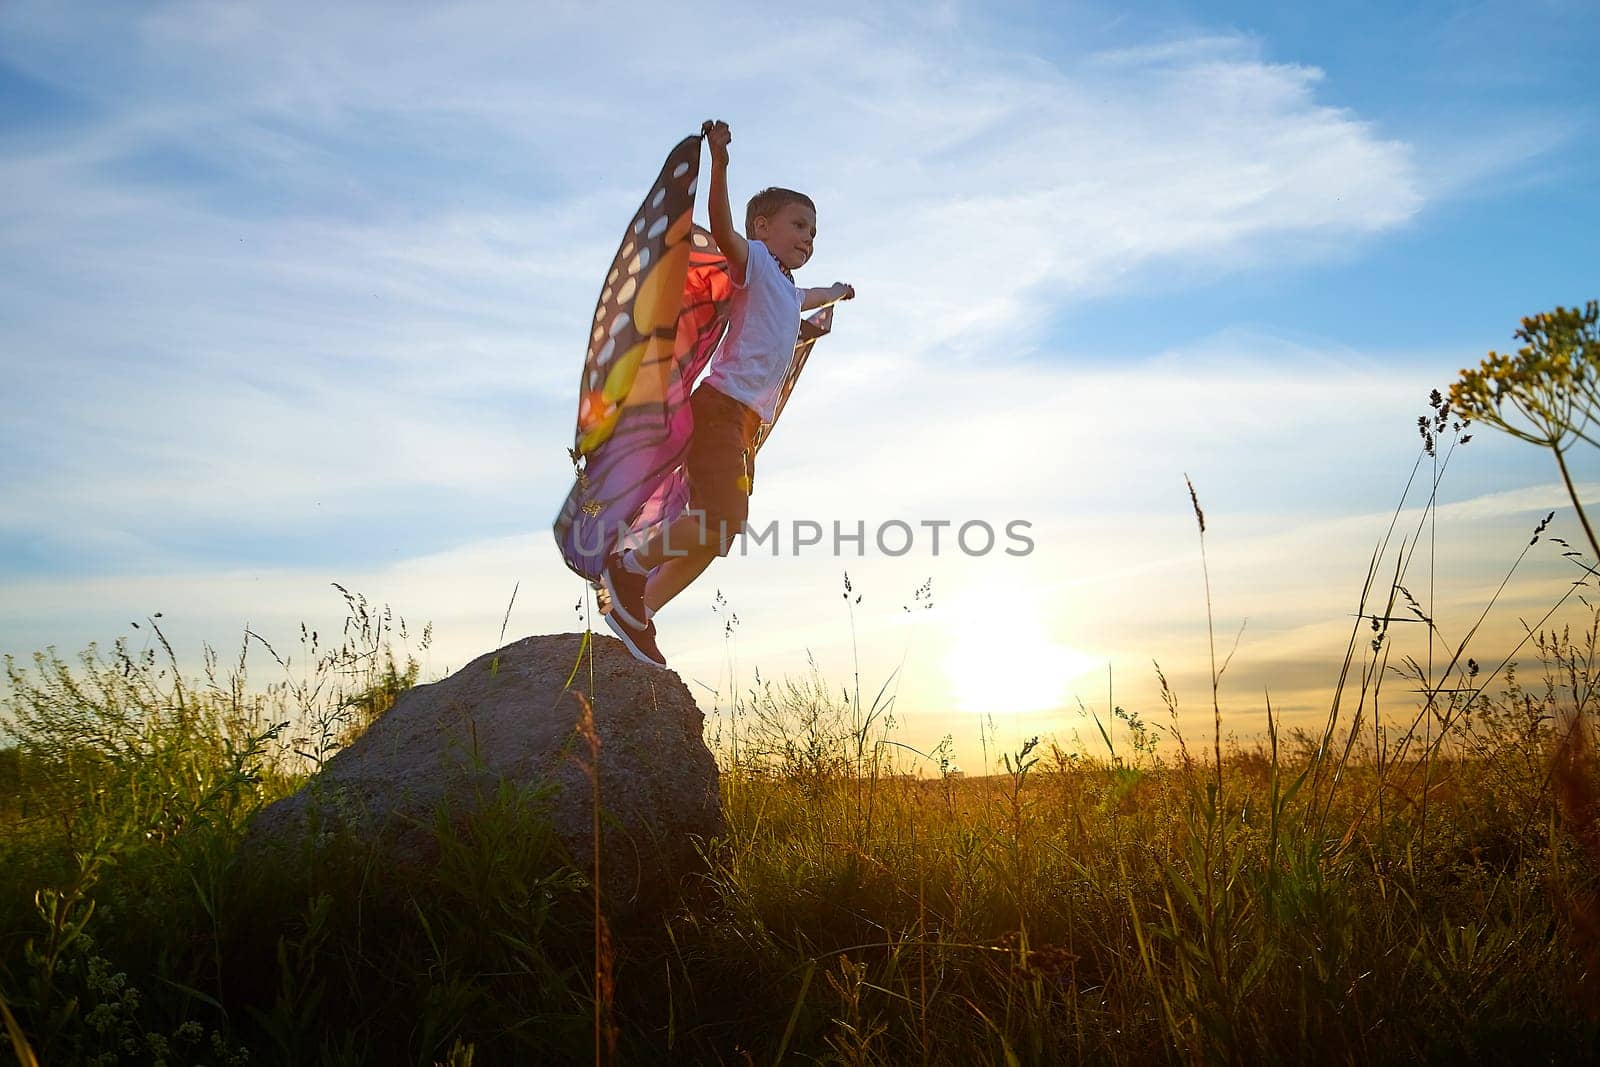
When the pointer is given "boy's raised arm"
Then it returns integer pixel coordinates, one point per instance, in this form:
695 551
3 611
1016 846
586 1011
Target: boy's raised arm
815 298
729 240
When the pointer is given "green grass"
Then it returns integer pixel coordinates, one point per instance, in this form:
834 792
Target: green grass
1421 889
1074 910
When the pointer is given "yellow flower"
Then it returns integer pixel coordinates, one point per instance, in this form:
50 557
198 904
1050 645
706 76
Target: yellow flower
1549 392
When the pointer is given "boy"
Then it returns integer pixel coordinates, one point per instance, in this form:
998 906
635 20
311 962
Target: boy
737 395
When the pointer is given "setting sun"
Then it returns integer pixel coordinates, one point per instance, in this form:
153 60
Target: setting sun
1008 666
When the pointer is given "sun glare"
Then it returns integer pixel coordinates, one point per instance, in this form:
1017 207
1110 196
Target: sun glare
1008 664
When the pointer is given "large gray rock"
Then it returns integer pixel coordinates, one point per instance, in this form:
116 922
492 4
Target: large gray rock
508 716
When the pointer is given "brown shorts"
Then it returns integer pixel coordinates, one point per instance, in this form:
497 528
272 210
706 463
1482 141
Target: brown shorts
722 463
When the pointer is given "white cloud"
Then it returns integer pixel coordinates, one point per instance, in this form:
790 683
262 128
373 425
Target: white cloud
970 192
330 259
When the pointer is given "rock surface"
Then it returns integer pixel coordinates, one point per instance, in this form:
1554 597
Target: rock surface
509 717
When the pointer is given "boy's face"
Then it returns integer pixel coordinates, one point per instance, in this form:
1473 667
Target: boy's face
789 233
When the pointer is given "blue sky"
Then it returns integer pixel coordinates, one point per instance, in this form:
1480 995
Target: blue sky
300 295
1499 100
1495 99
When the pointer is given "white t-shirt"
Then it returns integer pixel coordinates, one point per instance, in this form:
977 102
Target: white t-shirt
762 329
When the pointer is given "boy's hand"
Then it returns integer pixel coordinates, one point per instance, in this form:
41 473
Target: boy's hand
846 292
717 137
729 240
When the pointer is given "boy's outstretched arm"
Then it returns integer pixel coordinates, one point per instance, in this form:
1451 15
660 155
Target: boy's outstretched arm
729 240
815 298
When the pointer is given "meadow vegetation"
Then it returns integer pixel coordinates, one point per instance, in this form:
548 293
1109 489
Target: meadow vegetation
1422 885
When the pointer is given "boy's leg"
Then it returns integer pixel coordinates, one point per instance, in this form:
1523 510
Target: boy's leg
676 540
682 551
675 575
669 548
718 466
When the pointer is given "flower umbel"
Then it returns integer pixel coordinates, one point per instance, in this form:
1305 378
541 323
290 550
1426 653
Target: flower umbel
1553 381
1547 394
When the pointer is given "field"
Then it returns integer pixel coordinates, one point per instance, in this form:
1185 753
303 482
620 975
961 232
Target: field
1355 897
1421 888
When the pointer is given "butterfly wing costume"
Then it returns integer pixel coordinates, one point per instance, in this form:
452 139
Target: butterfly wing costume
662 312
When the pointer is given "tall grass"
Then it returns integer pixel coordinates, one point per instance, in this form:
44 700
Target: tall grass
1089 909
1397 887
1416 885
